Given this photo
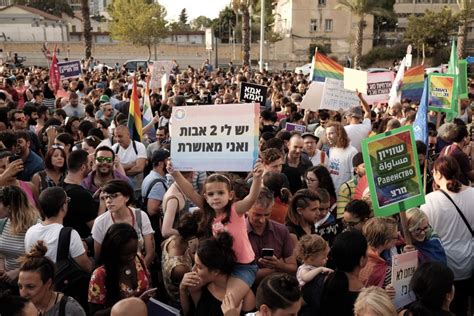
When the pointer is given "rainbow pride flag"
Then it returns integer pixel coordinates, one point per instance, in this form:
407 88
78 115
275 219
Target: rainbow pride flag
413 82
134 122
324 67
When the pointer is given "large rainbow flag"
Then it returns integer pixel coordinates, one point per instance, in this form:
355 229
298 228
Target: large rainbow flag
413 81
134 122
324 67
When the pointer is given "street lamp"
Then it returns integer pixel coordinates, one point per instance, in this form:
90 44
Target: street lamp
262 32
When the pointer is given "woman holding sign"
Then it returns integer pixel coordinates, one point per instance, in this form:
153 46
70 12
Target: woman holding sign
450 212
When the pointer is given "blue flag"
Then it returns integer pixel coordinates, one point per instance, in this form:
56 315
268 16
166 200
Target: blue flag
420 126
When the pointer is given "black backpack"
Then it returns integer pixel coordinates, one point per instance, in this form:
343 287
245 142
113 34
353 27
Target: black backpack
70 278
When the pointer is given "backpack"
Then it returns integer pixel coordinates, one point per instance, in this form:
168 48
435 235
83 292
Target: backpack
70 278
148 191
134 148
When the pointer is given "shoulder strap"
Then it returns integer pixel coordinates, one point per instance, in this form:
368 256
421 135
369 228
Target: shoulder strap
152 184
117 149
62 306
138 218
349 188
3 222
63 244
42 174
135 147
460 213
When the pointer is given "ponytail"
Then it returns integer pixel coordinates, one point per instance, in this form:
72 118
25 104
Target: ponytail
35 260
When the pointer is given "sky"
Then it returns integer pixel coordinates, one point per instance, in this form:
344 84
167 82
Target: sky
194 8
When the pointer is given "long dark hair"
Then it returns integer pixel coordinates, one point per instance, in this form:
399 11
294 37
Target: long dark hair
324 179
209 212
216 253
449 169
116 237
347 250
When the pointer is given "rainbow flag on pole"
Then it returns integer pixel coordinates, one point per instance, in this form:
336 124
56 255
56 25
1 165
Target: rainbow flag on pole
147 112
134 122
413 83
324 67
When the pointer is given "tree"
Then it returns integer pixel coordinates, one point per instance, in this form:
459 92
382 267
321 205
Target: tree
201 22
86 25
466 16
138 22
433 29
54 7
183 18
361 8
244 7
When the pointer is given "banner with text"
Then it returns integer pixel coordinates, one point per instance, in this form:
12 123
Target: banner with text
441 92
215 138
336 98
403 267
250 92
378 87
290 127
393 171
159 70
70 69
312 98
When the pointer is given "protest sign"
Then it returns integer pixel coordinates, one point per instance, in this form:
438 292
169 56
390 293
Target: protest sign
215 138
355 80
250 92
312 98
462 66
403 267
335 97
393 171
441 92
159 69
70 69
295 127
378 86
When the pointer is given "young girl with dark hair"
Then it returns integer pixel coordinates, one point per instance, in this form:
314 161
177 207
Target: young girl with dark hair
278 183
302 212
221 213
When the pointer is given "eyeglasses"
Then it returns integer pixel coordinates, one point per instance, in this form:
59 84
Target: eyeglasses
57 146
112 196
92 137
104 159
420 230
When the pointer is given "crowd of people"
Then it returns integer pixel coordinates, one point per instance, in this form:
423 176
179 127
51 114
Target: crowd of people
94 222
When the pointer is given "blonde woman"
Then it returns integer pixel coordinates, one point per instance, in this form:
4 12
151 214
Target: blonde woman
425 240
20 215
374 301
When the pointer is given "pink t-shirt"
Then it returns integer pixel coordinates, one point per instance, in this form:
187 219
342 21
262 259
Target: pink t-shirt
237 228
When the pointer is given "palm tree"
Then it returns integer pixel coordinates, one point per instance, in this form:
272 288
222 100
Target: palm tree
361 8
86 25
466 15
244 7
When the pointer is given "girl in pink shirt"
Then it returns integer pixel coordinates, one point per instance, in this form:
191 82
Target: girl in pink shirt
222 214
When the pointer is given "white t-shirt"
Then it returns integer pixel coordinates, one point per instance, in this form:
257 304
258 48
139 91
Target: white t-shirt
457 241
50 235
129 155
104 221
357 132
340 164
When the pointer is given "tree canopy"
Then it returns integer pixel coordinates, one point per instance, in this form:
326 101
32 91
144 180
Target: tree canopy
55 7
138 22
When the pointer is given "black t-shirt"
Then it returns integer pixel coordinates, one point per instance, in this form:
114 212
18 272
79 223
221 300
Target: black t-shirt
81 210
295 175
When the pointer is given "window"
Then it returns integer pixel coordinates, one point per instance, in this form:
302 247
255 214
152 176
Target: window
73 28
328 25
322 2
313 26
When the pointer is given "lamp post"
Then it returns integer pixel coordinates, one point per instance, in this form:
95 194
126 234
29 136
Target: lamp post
262 32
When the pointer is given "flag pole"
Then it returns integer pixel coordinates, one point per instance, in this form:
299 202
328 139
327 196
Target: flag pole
425 170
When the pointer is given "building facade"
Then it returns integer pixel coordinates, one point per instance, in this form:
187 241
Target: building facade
305 22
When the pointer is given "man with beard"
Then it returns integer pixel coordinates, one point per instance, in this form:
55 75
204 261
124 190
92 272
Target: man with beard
31 161
104 172
18 122
31 114
162 138
296 163
82 209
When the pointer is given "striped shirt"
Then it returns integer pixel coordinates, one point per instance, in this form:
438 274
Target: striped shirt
11 246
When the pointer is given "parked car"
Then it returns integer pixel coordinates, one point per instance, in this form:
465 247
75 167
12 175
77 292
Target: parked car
440 69
376 70
135 64
305 69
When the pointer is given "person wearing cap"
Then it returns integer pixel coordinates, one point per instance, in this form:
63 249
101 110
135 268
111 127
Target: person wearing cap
317 157
155 184
359 124
347 189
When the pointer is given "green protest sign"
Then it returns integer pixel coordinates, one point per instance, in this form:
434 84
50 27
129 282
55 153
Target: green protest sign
462 66
442 92
393 171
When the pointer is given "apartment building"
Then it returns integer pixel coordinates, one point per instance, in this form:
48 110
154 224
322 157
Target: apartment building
305 22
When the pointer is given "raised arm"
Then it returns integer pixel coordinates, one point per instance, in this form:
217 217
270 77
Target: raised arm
365 105
185 186
245 204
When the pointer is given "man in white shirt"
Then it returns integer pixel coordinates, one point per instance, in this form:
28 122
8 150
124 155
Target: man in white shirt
54 204
132 155
357 130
